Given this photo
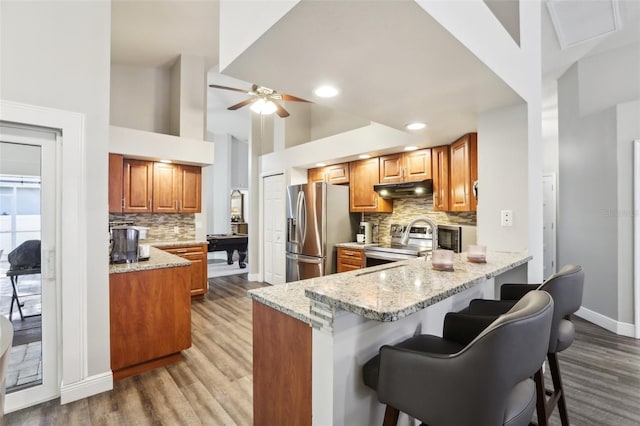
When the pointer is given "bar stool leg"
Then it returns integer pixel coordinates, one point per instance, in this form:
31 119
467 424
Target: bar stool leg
391 415
541 399
558 391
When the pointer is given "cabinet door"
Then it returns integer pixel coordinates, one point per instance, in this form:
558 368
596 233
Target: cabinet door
337 173
315 175
463 172
198 257
166 181
138 186
362 197
391 168
190 189
116 174
417 165
440 165
350 259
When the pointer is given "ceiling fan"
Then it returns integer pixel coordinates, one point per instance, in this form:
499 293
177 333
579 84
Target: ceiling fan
263 100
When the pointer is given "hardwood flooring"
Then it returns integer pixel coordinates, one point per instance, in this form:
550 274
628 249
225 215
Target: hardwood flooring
213 385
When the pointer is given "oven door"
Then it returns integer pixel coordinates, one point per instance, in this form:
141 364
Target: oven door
373 258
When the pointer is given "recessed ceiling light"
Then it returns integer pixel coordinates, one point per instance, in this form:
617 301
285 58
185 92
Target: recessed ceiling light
326 91
364 156
410 148
415 126
321 164
165 161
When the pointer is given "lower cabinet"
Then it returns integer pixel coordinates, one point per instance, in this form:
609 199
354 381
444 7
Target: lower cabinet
350 259
150 319
198 257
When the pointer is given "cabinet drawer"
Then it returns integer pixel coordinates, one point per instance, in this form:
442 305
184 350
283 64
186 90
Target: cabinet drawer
181 251
347 254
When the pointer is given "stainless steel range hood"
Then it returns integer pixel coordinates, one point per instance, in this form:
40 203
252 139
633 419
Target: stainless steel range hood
419 189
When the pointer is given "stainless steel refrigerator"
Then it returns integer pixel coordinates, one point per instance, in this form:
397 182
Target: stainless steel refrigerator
317 218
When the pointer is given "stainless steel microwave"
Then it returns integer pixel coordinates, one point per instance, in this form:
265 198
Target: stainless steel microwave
456 237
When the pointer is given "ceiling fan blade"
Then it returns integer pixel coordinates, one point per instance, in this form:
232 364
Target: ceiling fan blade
280 111
215 86
292 98
241 104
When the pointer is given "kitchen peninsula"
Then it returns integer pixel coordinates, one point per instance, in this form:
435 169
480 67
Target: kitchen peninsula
150 312
312 337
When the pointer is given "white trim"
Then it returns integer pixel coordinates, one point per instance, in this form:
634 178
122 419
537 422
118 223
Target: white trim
88 386
636 235
71 243
620 328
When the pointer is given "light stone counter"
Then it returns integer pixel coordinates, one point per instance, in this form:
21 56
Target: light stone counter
177 243
157 259
385 292
356 246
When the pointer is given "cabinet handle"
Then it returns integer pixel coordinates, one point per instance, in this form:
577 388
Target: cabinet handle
182 251
176 204
123 203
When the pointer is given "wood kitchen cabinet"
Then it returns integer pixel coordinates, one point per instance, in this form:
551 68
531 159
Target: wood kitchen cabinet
350 259
362 198
198 256
463 172
335 174
150 319
440 170
116 174
137 186
406 166
176 188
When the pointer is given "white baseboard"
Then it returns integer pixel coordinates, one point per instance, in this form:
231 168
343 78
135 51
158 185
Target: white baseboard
620 328
90 386
254 277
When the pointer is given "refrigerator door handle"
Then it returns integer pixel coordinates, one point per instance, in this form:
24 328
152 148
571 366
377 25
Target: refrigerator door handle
304 259
302 218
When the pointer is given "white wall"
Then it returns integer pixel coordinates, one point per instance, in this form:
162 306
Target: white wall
140 98
191 96
329 121
239 164
57 54
503 178
221 185
597 123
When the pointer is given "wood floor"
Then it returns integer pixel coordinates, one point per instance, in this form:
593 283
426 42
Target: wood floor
213 386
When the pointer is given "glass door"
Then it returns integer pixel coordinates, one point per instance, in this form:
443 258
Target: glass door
28 264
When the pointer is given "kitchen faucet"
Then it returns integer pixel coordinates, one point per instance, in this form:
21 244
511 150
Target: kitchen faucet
434 231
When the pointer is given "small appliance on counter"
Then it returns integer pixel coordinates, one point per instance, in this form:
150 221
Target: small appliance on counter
456 237
365 231
125 244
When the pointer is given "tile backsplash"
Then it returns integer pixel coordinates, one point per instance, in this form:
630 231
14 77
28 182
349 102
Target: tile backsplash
161 226
407 209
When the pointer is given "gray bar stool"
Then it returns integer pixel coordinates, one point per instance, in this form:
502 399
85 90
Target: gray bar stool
566 288
478 373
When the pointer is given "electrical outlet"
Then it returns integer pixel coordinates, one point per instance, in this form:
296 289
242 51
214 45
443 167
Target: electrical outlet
176 229
506 218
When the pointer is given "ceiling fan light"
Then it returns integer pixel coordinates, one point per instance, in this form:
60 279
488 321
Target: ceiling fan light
263 107
326 91
415 126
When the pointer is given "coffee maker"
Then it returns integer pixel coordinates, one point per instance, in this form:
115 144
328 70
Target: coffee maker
125 244
365 229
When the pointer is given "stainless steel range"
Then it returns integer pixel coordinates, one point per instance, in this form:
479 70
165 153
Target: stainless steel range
419 244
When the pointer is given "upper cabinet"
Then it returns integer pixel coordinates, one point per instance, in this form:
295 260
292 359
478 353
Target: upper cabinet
336 174
406 167
463 172
362 197
139 186
440 170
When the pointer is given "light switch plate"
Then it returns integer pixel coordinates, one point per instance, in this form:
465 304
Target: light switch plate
506 218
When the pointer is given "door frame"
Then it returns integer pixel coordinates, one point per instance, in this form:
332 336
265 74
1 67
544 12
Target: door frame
48 141
75 381
636 236
552 177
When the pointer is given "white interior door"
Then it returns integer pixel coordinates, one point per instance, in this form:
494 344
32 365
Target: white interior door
549 224
274 229
34 151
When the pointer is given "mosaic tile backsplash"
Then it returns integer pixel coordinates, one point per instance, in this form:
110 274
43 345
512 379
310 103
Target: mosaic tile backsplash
407 209
161 226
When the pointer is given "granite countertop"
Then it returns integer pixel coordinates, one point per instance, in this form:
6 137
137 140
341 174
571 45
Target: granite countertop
177 243
357 246
386 292
157 259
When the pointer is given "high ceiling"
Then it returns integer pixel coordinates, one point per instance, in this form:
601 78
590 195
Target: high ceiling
393 64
